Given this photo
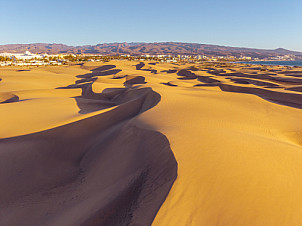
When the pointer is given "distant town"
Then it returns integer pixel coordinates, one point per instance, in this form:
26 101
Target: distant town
31 59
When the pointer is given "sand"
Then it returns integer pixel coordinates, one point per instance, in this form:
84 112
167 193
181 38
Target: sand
129 143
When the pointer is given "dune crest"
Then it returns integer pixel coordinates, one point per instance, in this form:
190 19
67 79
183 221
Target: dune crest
100 170
8 98
130 143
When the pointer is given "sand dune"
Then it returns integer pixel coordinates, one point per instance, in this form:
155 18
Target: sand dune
102 170
8 98
128 143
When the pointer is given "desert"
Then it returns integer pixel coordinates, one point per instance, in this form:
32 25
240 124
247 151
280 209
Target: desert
141 143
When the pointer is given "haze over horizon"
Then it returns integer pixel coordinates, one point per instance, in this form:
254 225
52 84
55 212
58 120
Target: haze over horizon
253 24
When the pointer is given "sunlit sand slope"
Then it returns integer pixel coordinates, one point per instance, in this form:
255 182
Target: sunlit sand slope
103 143
92 166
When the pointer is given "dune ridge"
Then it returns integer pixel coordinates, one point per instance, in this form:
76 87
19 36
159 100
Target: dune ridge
101 170
130 143
8 98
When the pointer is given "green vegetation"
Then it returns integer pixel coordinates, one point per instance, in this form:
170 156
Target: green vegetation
5 58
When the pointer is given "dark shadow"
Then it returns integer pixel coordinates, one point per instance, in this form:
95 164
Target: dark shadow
135 80
254 82
207 79
93 79
21 70
186 78
114 172
168 84
140 66
268 76
288 99
153 71
297 89
292 73
186 74
103 68
91 105
169 71
206 85
13 99
100 73
89 101
119 76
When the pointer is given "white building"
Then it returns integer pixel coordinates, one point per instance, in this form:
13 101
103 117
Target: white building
22 56
28 56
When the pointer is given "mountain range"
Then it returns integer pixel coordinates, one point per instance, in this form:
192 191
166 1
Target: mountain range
165 48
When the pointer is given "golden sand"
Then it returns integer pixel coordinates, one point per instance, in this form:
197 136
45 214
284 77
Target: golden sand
236 139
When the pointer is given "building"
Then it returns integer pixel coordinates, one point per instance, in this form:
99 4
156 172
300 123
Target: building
22 56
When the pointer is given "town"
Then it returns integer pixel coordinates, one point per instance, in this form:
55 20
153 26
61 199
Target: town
31 59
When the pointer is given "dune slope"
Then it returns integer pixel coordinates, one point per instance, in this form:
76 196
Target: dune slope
99 170
141 143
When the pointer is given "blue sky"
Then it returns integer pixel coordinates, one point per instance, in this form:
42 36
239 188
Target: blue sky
265 24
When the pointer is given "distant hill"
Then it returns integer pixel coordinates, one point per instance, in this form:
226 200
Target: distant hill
172 48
